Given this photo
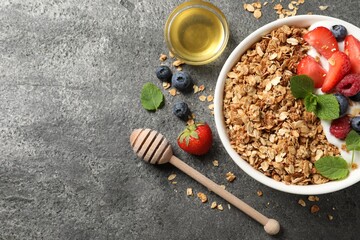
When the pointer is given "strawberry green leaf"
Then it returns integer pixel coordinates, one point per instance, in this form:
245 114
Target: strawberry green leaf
182 137
151 97
187 139
194 135
188 133
332 167
301 86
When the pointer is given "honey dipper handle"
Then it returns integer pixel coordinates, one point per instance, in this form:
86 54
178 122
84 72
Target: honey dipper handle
271 226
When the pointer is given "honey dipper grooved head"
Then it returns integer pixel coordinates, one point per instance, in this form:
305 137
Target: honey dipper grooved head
151 146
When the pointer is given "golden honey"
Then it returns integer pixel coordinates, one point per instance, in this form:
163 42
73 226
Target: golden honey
196 32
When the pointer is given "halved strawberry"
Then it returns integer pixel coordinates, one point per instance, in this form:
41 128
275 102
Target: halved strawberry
352 49
309 66
339 66
323 41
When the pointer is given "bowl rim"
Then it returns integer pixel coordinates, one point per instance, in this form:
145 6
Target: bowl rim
300 21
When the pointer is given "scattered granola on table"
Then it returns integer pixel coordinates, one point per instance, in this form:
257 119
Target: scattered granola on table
202 98
189 192
230 177
177 63
171 177
313 198
173 92
314 209
202 197
302 202
166 85
266 125
215 163
162 57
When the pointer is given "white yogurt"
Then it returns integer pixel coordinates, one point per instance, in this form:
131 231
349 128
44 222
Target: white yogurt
355 108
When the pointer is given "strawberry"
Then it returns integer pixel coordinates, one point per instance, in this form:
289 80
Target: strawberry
196 139
339 66
352 49
323 41
309 66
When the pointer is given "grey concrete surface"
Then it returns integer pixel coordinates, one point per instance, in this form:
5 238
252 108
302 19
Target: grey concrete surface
71 72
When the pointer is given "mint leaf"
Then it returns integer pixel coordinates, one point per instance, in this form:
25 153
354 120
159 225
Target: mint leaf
332 167
327 107
352 141
310 103
301 86
151 96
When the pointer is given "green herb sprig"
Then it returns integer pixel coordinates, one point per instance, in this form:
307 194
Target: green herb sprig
325 106
352 142
151 97
334 168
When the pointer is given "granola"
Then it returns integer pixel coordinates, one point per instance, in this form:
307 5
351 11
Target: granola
189 192
171 177
314 208
230 177
215 163
266 125
302 202
202 197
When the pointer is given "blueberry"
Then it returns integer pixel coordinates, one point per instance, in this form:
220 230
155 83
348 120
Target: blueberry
356 97
181 110
163 73
355 123
182 81
339 32
343 103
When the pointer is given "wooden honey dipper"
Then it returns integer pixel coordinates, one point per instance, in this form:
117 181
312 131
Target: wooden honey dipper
152 147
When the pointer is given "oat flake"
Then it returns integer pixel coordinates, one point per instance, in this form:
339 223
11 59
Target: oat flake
257 13
302 202
189 192
162 57
202 197
202 98
171 177
215 163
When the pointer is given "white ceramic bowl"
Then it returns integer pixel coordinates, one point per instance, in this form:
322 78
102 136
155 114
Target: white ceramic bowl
300 21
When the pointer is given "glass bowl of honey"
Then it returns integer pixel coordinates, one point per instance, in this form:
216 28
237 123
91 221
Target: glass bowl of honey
196 32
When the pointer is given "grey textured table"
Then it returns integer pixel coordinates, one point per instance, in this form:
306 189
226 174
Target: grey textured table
70 77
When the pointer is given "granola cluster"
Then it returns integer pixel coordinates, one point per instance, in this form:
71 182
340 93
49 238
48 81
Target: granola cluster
266 125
